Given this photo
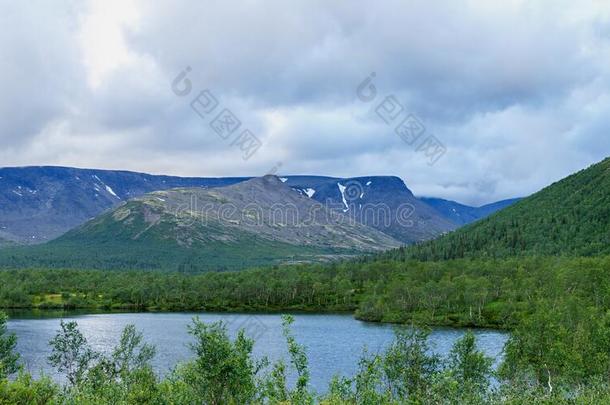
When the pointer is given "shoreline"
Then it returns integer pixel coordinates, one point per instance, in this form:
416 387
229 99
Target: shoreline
47 313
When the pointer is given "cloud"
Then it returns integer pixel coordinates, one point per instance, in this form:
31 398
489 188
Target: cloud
517 92
40 69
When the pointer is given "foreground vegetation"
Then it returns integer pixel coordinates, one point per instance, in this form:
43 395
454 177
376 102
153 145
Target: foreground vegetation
224 371
558 311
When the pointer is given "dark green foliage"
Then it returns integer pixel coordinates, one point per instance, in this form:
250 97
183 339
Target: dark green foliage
563 342
71 354
469 367
126 372
124 376
407 372
298 359
25 390
556 308
570 217
131 354
8 356
223 371
407 365
107 249
472 293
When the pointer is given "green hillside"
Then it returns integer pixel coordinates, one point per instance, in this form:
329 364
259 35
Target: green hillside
116 245
570 217
4 242
157 255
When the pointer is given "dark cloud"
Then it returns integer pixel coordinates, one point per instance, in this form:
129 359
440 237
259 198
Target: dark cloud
517 92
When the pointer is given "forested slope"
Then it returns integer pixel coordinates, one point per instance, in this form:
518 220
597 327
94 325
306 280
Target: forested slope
570 217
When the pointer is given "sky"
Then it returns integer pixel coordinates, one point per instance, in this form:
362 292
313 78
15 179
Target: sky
500 98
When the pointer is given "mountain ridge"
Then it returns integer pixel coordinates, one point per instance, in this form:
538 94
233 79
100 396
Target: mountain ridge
40 203
195 229
463 214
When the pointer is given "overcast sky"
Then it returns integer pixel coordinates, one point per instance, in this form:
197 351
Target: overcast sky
517 92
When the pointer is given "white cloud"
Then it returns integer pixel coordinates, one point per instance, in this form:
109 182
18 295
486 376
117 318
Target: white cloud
517 91
101 37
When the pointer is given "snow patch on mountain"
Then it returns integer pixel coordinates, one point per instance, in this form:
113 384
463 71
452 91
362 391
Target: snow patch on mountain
342 190
111 191
309 192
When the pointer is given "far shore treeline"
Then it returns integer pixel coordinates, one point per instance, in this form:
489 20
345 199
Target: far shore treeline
465 292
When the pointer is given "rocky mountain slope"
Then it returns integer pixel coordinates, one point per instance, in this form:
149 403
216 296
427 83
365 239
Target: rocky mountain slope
256 222
38 204
382 202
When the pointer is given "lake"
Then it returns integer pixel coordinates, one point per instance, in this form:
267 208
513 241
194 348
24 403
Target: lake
334 342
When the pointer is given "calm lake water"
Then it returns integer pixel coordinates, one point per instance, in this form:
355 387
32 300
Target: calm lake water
334 342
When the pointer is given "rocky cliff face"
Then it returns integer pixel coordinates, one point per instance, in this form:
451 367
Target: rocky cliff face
381 202
260 208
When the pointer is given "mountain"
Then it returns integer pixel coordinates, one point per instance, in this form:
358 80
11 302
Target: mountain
461 214
4 243
569 217
382 202
38 204
259 221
